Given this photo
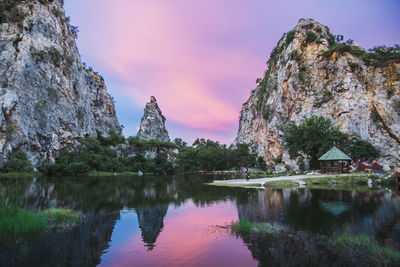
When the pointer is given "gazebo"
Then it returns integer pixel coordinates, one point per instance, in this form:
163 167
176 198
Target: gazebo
334 161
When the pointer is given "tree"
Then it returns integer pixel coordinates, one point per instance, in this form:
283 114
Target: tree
316 135
17 161
243 157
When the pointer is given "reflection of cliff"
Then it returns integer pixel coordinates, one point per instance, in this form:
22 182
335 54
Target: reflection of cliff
81 246
151 222
262 206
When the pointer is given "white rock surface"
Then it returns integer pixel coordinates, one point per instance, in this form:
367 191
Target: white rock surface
48 97
311 84
152 126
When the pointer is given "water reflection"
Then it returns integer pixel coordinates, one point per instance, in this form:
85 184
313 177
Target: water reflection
160 220
326 211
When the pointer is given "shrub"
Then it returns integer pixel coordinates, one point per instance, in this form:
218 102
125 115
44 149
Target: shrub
290 37
301 164
16 42
390 91
267 112
311 37
353 66
295 55
396 105
16 161
278 159
374 115
326 97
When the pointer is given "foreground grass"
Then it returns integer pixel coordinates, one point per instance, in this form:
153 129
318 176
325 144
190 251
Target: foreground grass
17 223
357 250
364 245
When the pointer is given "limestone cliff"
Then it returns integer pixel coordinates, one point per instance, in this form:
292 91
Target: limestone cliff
152 126
310 73
48 97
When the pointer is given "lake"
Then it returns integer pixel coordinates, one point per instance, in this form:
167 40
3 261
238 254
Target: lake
179 221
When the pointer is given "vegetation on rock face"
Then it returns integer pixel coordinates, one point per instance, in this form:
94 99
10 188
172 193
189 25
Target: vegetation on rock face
311 37
378 56
10 12
316 135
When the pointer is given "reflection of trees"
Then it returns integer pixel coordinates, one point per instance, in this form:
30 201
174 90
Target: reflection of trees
81 246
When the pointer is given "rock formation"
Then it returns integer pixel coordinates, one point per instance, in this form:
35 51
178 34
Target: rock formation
310 73
152 126
48 97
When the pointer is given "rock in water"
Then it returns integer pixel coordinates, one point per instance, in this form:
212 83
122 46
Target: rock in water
310 74
48 97
152 126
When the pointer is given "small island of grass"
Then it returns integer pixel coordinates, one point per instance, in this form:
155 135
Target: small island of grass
16 223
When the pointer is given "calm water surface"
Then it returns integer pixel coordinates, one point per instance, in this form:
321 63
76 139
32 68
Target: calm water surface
179 221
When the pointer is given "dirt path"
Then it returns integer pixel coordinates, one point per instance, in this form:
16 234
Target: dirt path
262 181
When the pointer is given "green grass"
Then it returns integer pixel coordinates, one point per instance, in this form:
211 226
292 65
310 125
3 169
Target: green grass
243 226
15 222
357 182
18 223
280 184
364 245
19 174
102 173
235 185
61 216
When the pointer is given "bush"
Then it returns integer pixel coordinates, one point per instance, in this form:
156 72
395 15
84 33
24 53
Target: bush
278 159
353 66
311 37
267 112
396 105
290 37
17 162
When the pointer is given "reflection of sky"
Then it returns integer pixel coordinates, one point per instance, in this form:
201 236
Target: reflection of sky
201 58
189 238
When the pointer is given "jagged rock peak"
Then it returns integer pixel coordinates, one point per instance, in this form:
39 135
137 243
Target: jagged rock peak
311 72
152 126
48 97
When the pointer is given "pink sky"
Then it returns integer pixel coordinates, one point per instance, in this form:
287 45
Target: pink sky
200 59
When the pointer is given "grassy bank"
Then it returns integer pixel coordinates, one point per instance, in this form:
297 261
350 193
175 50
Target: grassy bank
358 181
299 248
19 174
16 223
106 174
235 185
363 245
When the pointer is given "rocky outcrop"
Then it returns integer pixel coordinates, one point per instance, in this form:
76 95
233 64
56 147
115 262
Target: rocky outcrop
309 73
152 126
48 97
